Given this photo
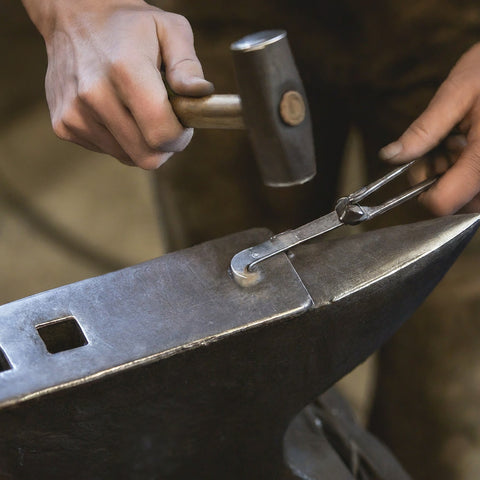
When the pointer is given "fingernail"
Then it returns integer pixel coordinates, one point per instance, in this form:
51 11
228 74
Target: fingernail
196 79
390 151
203 86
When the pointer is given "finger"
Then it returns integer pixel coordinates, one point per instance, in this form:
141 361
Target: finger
472 206
77 138
64 133
449 105
183 70
418 172
456 143
85 128
428 167
107 107
140 87
104 143
441 164
458 186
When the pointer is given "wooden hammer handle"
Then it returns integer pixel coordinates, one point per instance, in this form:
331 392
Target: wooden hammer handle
212 111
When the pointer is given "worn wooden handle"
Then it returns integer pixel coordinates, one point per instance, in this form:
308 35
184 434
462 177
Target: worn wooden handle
213 111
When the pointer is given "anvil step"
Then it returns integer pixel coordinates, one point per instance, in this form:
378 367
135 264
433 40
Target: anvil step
169 369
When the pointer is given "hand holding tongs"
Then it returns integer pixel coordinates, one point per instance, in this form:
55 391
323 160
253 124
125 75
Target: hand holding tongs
348 211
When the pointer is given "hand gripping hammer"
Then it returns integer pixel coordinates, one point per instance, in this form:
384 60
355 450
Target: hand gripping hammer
272 106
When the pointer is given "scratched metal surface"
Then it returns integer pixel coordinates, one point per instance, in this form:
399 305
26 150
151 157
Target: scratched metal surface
142 313
382 255
201 408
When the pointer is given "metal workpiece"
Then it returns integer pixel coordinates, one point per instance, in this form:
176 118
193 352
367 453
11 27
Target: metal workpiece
245 265
275 108
169 369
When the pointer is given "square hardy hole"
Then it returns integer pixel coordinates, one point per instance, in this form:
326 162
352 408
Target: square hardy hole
61 334
4 363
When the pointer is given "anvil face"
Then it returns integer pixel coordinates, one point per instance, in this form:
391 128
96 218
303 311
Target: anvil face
169 369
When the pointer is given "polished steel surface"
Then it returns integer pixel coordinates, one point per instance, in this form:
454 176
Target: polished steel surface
258 40
187 375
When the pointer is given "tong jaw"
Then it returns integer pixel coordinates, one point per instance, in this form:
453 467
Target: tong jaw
350 213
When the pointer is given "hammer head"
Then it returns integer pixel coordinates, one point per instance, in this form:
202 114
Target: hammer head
275 108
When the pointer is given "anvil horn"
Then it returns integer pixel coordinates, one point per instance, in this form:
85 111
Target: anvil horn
169 369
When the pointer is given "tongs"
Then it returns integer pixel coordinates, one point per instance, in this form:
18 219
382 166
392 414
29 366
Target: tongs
348 211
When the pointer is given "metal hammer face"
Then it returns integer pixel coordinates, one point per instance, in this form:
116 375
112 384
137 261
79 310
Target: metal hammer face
169 369
272 106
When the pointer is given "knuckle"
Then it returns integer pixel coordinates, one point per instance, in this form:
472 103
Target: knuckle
169 139
70 119
118 69
420 130
180 22
122 74
181 26
457 81
160 137
161 127
61 130
189 64
89 94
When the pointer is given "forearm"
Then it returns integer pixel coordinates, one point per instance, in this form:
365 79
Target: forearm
42 14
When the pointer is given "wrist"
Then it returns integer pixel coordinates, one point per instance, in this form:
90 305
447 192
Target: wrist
43 15
47 14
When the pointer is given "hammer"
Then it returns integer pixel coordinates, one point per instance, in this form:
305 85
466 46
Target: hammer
272 106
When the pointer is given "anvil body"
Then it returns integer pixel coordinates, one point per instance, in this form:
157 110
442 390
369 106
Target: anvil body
175 371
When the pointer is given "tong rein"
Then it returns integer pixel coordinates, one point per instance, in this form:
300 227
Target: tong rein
348 211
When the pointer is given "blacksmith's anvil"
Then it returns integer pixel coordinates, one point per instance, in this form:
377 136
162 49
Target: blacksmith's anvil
170 369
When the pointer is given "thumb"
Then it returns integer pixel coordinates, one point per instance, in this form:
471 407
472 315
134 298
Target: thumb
447 108
183 69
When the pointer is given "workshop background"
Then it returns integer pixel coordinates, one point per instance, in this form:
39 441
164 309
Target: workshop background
67 214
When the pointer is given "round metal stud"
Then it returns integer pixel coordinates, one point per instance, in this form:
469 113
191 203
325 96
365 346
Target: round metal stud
292 108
